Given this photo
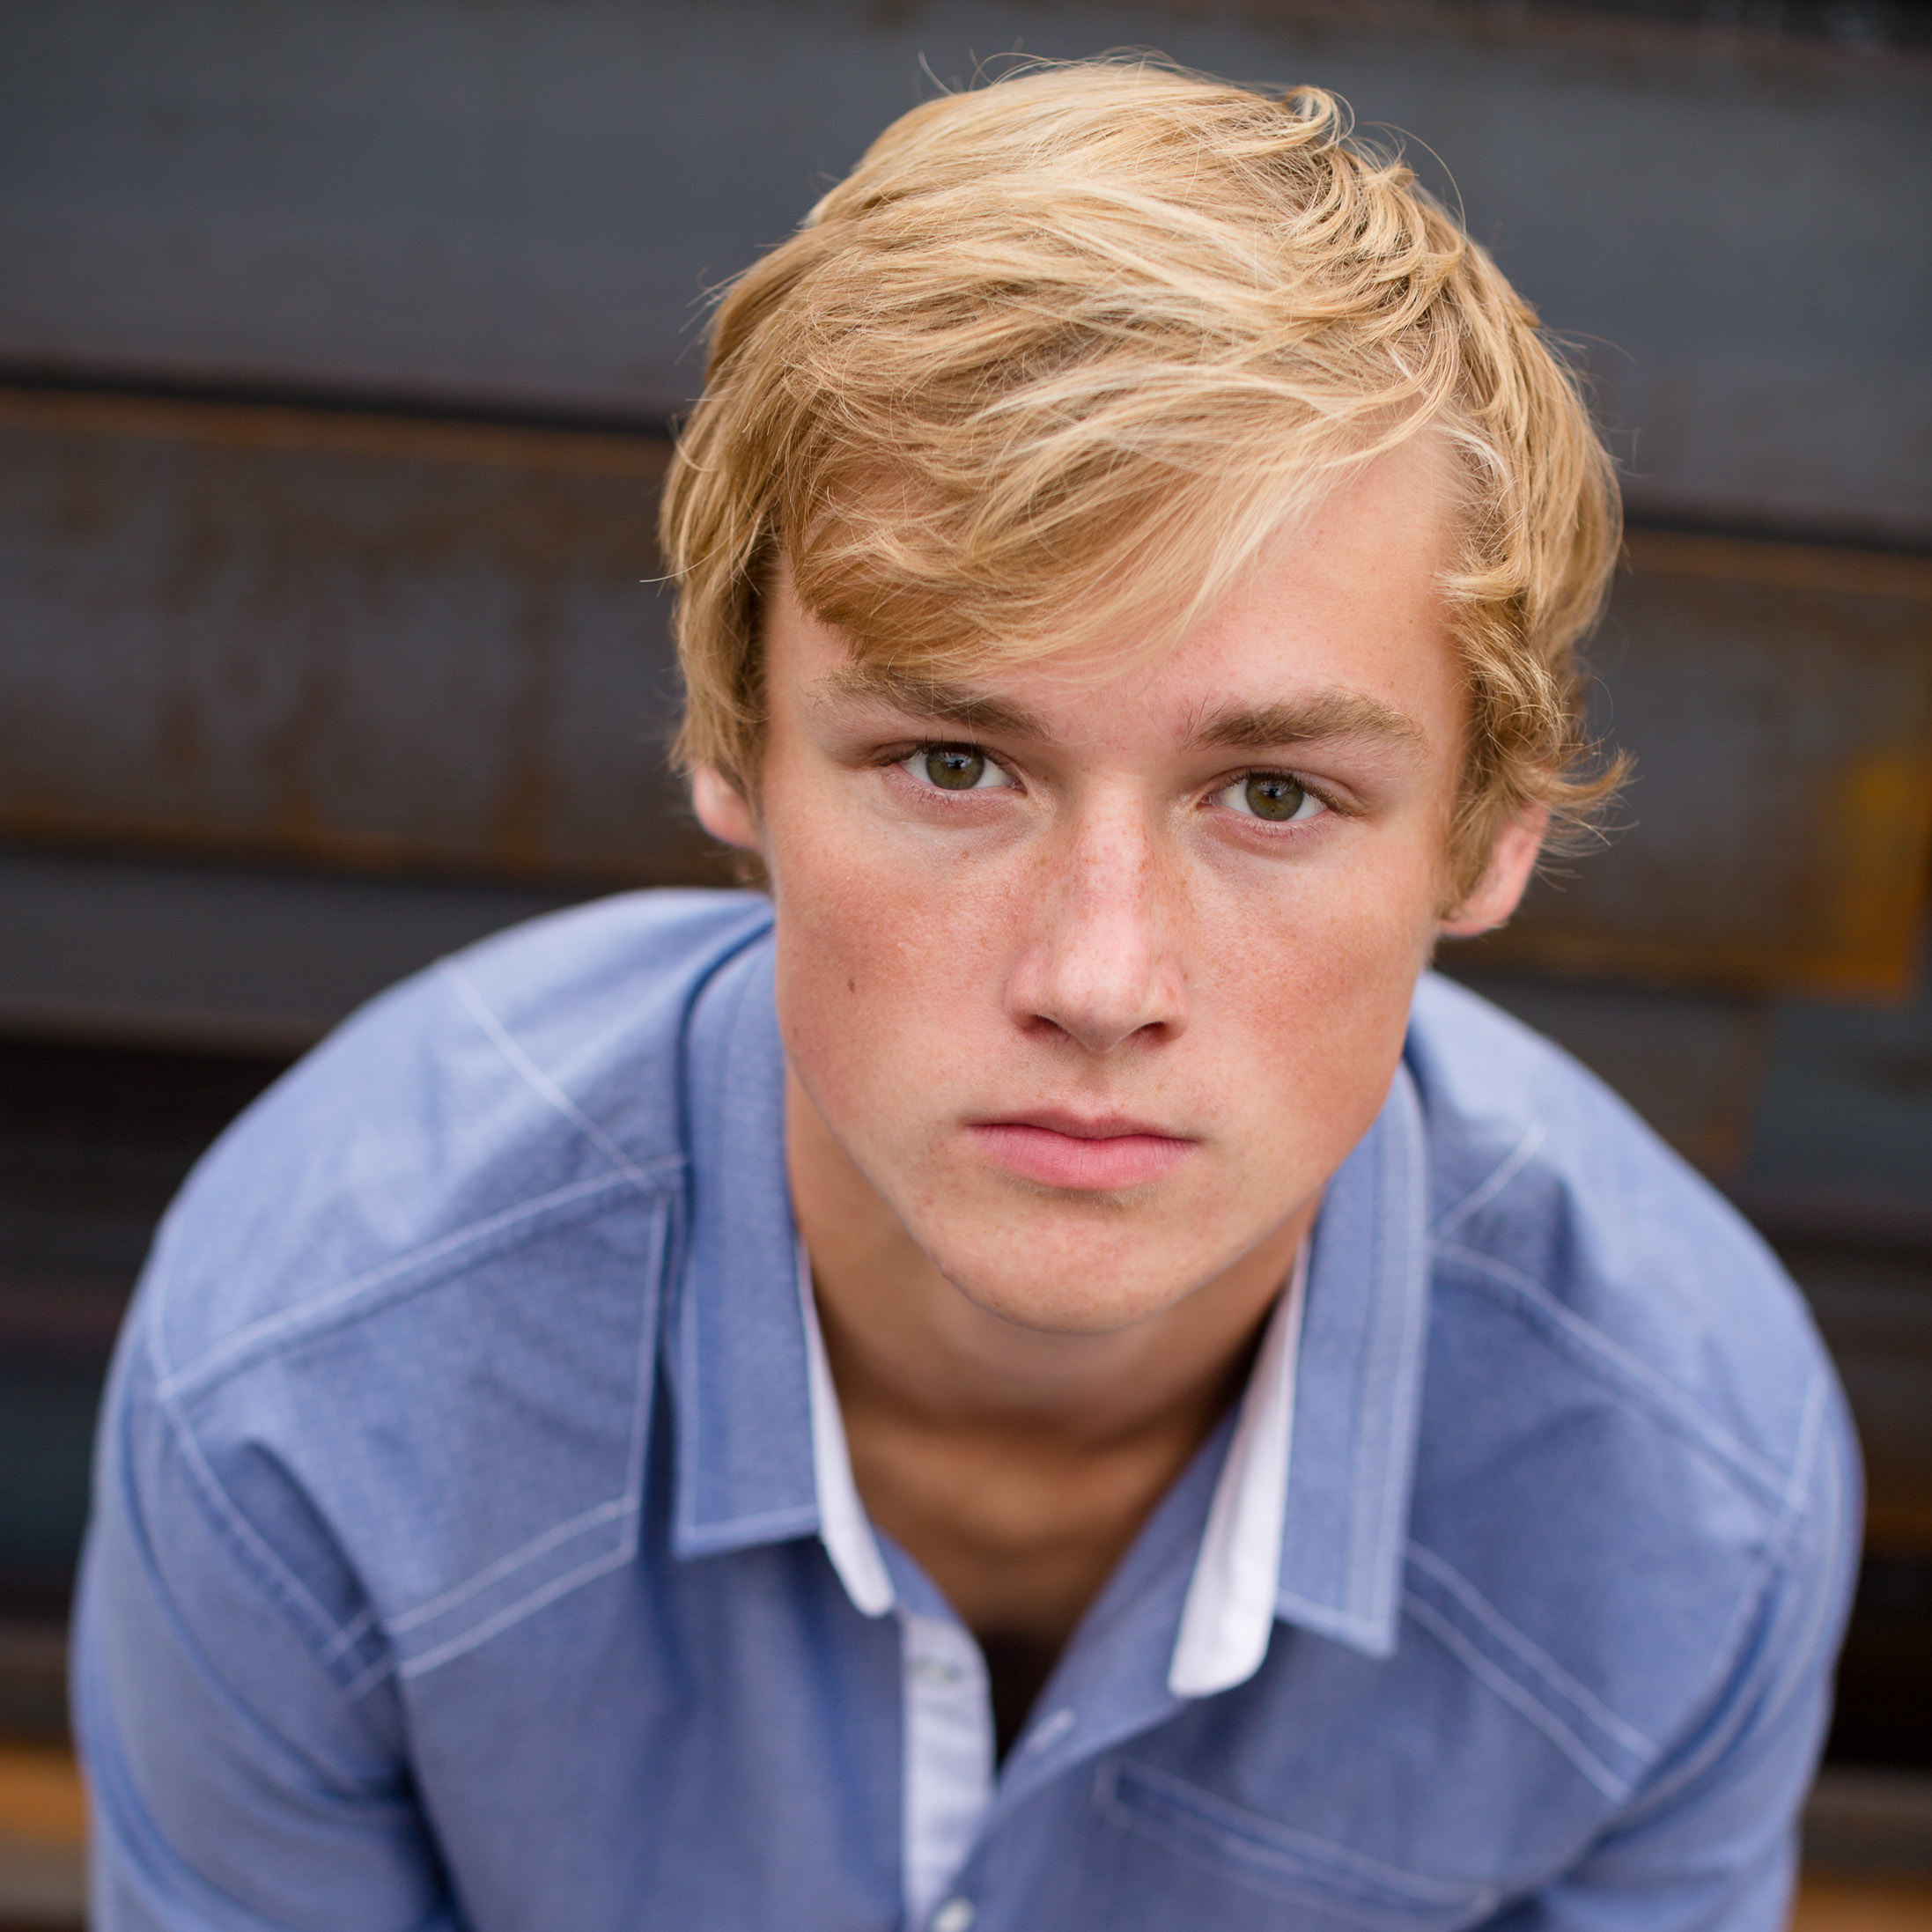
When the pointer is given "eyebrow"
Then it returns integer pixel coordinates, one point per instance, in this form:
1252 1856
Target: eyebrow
1245 728
1324 714
922 697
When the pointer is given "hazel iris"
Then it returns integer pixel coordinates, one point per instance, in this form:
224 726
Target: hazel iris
958 768
1271 795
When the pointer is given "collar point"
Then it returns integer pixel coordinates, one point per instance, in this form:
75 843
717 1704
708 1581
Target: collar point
1372 1632
690 1540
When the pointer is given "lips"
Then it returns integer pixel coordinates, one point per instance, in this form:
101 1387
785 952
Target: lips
1064 1151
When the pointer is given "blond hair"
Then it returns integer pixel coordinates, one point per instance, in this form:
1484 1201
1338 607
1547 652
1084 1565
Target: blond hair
1060 356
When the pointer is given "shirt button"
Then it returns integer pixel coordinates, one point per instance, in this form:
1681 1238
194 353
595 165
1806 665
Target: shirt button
1051 1729
955 1915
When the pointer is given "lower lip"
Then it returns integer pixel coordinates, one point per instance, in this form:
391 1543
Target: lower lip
1067 1160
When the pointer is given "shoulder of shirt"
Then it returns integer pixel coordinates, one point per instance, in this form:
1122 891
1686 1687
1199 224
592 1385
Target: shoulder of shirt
532 1080
1636 1501
1556 1203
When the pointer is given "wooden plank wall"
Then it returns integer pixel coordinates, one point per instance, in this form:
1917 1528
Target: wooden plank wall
338 344
523 203
374 643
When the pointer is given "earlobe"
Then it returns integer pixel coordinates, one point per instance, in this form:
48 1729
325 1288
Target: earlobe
722 809
1512 862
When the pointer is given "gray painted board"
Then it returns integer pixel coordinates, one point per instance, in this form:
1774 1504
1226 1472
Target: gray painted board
522 204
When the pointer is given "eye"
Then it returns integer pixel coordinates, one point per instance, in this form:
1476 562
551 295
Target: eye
1273 795
955 768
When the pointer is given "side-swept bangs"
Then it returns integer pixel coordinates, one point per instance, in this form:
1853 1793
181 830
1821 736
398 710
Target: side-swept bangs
1060 357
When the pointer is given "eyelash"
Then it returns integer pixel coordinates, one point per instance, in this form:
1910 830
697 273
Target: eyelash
925 747
1321 794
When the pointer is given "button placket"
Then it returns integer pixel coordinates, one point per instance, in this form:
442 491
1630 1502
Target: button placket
948 1758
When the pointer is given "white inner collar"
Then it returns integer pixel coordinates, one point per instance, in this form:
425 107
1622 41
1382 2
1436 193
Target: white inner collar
843 1527
1228 1616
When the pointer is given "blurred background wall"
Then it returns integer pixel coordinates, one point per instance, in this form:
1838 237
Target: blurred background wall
338 344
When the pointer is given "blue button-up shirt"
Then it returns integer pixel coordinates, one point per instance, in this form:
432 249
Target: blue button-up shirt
461 1556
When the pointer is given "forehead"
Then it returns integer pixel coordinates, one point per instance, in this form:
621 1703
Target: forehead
1344 604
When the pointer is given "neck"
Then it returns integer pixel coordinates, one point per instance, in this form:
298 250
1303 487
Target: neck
902 1339
1015 1464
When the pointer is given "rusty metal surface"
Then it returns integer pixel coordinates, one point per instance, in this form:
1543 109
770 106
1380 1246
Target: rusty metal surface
523 202
370 643
1779 701
1841 1144
1874 1311
170 953
1692 1064
353 641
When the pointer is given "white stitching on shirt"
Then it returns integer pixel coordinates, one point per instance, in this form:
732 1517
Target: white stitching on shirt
1506 1687
626 1549
626 1508
528 1607
1809 1431
505 1565
1744 1459
360 1686
539 1080
1372 1560
168 1397
1316 1857
1539 1660
1750 1604
238 1526
329 1301
1479 1196
345 1639
342 1638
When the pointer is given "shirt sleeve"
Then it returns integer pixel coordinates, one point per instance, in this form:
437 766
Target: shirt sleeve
242 1779
1711 1842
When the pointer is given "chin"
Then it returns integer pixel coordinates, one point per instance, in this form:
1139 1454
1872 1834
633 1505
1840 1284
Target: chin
1055 1282
1052 1308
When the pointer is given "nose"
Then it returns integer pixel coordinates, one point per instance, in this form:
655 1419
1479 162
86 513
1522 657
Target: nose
1101 966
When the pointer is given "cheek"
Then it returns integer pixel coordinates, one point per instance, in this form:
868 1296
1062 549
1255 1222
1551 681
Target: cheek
879 957
1306 991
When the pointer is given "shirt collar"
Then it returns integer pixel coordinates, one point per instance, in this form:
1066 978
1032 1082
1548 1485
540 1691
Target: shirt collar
843 1527
1230 1612
737 1360
1230 1608
760 1460
1359 1387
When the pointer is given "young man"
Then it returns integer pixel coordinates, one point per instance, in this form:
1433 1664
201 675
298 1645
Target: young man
1035 1378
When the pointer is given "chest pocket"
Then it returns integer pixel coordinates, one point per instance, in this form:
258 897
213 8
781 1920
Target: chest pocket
1266 1860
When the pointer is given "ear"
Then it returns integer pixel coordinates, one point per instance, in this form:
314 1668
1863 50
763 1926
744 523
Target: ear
1512 859
723 810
